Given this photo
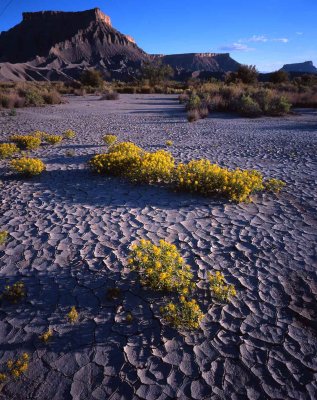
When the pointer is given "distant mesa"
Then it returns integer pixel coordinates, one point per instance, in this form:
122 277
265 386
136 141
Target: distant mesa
304 67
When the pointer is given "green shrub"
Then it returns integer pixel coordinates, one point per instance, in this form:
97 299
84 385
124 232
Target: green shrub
28 166
7 150
194 102
26 142
33 98
279 106
161 267
248 107
185 315
91 78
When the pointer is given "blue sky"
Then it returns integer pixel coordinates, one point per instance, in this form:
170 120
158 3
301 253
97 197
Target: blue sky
265 33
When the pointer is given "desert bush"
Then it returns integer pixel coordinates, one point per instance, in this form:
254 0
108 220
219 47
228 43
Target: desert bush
169 143
153 167
274 185
279 76
248 107
28 166
73 315
278 106
7 150
210 179
110 139
183 98
69 134
26 142
194 102
3 237
113 293
185 315
33 98
121 159
110 95
203 112
39 134
193 115
14 293
53 139
161 267
91 78
220 289
52 97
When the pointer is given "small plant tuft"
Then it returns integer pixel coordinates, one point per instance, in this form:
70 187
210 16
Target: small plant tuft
15 293
113 293
53 139
19 366
185 315
161 267
46 336
169 143
69 134
220 289
3 237
28 166
7 150
110 140
26 142
274 185
73 315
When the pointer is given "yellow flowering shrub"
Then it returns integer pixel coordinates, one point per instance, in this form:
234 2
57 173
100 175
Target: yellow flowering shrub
187 314
69 134
14 293
169 143
3 237
220 289
8 149
53 139
3 377
39 134
210 179
121 159
28 166
73 315
274 185
161 267
153 167
46 336
19 366
26 142
110 139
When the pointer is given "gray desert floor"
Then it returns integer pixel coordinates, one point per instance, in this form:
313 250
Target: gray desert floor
70 233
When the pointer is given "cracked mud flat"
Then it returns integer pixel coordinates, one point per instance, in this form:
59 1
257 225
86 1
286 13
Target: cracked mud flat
69 237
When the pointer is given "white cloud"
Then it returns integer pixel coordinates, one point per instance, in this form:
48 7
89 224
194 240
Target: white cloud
299 33
236 47
282 40
255 38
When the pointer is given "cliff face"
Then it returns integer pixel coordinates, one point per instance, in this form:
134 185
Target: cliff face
58 45
304 67
60 40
